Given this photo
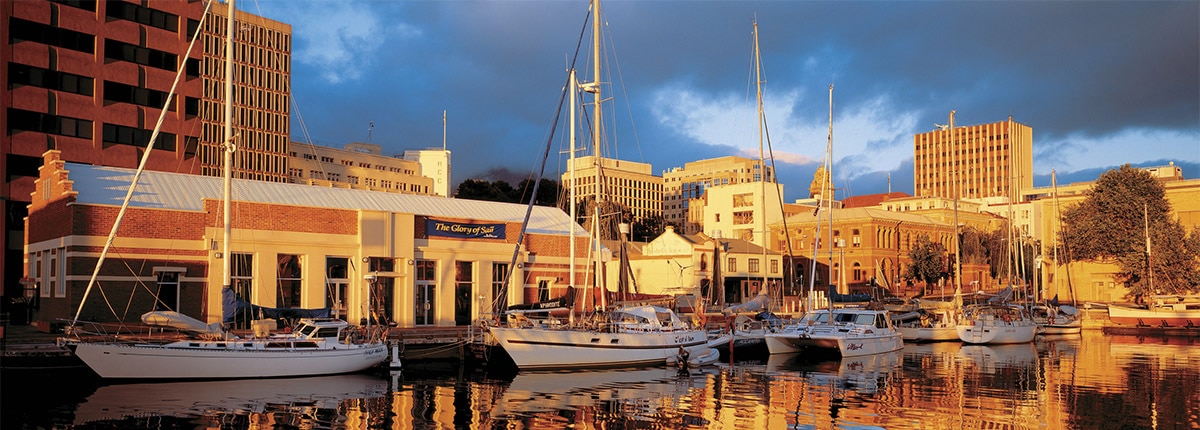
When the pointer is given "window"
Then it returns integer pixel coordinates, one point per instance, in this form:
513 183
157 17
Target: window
753 265
167 278
241 279
53 281
774 266
731 265
337 283
288 280
499 293
543 289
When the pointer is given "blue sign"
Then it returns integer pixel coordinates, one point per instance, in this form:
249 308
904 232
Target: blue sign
435 227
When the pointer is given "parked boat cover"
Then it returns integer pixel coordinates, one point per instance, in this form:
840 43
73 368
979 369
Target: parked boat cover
239 310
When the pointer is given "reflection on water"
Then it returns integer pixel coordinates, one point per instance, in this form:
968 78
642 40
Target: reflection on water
1083 381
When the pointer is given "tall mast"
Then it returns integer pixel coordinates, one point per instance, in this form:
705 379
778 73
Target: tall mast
571 166
228 146
829 198
762 166
594 88
957 243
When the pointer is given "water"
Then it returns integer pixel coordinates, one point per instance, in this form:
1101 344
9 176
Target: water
1092 381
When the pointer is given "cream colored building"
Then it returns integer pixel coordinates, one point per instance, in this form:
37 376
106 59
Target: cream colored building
359 166
986 160
1095 281
435 164
683 186
744 211
629 183
676 263
262 60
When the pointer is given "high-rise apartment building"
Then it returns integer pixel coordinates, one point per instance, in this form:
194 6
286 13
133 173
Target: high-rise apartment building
625 182
974 162
90 79
683 185
262 62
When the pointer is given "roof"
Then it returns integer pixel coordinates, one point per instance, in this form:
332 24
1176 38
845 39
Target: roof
100 185
858 213
870 200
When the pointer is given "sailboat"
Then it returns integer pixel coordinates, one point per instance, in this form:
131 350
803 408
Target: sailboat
316 346
1053 318
1162 310
842 332
748 332
619 337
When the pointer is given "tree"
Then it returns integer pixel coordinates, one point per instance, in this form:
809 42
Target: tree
547 193
477 189
1111 225
928 260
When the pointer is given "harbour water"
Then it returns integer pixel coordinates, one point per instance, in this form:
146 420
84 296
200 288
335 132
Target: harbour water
1088 381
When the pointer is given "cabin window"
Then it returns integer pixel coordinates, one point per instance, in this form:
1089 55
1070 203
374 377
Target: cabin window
288 280
327 332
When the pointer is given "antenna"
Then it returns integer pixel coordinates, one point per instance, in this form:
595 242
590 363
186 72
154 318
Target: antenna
370 129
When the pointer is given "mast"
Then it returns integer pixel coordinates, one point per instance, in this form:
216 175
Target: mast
957 243
594 88
1149 256
762 165
571 166
227 180
829 198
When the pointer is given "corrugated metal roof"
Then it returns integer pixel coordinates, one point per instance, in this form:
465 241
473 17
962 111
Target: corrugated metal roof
107 186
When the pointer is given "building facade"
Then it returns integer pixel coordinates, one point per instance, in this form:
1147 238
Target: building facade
974 162
435 165
413 260
1096 281
90 79
682 186
856 249
628 183
359 166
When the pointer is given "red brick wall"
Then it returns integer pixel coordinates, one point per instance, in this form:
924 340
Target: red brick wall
272 217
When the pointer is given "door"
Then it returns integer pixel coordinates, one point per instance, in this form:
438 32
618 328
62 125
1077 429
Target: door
425 288
463 285
424 301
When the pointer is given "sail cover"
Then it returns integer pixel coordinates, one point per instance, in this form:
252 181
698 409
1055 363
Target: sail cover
236 309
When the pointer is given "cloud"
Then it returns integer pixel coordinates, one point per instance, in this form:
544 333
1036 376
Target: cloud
340 39
1136 145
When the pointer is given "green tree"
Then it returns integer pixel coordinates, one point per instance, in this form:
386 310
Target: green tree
1124 215
497 191
928 260
547 193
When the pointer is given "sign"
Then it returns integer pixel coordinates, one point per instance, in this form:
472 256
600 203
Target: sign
462 230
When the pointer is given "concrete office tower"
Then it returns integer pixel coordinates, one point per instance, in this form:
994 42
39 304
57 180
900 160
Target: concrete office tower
986 160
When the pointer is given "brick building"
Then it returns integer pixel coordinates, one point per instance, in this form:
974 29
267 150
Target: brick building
90 78
422 260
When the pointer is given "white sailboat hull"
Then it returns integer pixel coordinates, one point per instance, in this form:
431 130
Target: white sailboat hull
928 334
547 348
987 332
224 359
846 346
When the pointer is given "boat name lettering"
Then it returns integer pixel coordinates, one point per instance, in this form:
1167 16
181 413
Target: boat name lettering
687 338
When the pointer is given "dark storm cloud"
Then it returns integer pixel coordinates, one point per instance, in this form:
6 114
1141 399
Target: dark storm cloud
1087 76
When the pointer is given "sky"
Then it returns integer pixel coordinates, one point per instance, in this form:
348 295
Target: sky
1101 83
